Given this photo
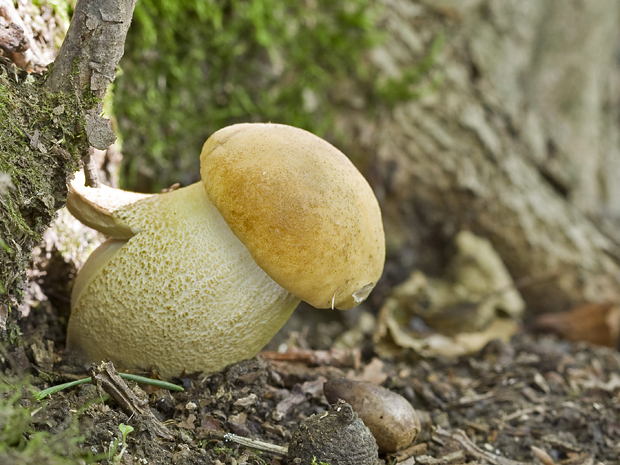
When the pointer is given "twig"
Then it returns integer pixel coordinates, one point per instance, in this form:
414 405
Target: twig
474 398
526 411
93 47
86 65
91 174
87 61
107 378
442 436
258 445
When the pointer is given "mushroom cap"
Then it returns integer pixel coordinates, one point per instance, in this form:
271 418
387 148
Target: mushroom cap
305 213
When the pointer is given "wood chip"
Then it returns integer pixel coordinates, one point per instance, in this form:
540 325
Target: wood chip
541 455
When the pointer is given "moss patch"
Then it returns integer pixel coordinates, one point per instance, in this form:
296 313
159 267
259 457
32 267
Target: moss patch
24 441
191 68
39 151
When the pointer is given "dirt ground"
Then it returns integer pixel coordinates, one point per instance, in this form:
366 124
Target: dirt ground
535 400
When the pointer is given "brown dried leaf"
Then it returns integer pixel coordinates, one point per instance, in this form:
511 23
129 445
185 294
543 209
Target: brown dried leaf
598 323
188 423
373 373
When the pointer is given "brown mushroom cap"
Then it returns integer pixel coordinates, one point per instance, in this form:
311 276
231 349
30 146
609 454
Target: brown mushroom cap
305 213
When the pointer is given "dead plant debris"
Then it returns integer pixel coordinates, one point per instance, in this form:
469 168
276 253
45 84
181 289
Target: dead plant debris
534 400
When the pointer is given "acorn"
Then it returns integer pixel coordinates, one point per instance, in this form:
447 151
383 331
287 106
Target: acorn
389 416
337 436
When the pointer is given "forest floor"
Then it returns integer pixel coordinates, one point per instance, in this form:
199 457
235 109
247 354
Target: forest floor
534 400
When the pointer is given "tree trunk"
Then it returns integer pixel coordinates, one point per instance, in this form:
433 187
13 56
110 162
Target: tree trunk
518 142
48 124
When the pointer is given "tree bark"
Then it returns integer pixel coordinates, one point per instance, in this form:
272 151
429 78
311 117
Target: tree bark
87 61
43 137
519 142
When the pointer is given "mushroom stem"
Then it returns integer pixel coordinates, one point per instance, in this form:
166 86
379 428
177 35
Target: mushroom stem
184 278
96 261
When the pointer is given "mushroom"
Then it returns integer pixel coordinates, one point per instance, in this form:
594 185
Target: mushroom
204 276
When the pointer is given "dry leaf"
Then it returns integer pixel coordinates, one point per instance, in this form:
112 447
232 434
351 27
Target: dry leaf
392 336
463 308
298 395
189 423
373 373
476 286
598 323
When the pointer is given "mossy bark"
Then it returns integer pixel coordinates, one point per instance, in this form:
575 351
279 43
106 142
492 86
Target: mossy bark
47 123
40 146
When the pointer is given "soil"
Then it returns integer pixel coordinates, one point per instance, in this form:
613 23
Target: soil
535 400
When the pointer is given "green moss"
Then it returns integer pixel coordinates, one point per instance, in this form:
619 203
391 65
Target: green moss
39 151
22 442
191 68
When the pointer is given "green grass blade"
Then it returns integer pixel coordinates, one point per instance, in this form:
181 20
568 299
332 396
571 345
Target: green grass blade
139 379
